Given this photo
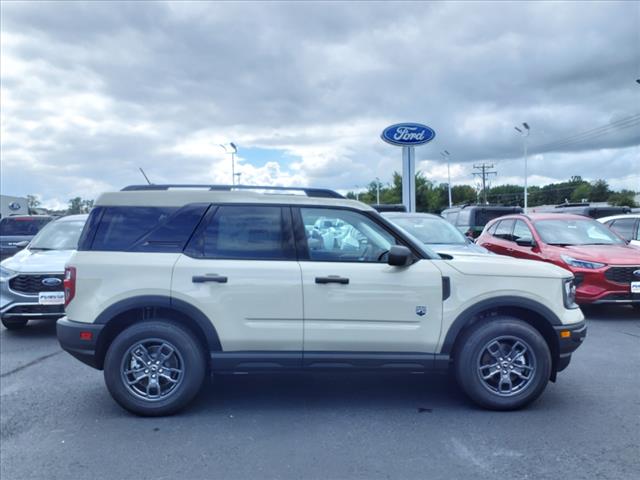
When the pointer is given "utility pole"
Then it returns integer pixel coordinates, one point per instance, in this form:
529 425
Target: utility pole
445 154
377 191
484 174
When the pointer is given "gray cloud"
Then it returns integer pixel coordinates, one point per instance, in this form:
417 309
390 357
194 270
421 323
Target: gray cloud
92 90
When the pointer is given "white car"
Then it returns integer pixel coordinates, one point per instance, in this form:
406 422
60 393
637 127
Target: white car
31 280
627 226
436 233
169 284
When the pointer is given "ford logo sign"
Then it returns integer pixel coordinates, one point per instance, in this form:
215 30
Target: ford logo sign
14 206
408 134
637 273
51 282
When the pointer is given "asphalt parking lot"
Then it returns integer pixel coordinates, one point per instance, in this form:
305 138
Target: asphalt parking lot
58 421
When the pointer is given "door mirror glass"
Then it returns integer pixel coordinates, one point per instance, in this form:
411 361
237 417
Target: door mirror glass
399 256
525 242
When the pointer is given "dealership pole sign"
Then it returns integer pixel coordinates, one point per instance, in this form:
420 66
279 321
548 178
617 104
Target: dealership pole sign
408 136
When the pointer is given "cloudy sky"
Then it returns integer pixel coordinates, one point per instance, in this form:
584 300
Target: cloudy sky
92 91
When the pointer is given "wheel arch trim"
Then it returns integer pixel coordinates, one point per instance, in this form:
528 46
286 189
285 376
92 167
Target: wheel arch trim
468 315
149 301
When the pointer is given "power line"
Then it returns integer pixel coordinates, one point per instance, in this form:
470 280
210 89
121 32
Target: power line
621 124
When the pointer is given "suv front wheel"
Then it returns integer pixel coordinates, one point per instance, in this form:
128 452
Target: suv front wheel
154 368
503 363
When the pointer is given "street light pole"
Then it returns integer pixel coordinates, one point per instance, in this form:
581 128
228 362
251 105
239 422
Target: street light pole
446 155
377 191
233 160
525 136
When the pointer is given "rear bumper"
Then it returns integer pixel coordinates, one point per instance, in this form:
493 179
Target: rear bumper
79 339
570 337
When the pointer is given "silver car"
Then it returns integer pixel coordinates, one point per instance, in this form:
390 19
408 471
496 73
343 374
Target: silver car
31 281
435 232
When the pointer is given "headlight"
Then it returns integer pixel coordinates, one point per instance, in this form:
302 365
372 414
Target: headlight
6 274
569 293
574 262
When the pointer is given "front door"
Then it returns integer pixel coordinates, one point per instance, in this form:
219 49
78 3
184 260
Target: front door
353 300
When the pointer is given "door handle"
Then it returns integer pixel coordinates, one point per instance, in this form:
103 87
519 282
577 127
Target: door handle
209 278
332 279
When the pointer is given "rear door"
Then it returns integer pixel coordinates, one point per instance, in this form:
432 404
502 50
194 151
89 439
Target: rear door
240 270
353 300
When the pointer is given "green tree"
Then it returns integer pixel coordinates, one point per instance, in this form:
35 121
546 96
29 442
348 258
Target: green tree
32 201
78 205
623 198
599 191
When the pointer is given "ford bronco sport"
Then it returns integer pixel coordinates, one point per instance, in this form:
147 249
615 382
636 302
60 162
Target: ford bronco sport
170 284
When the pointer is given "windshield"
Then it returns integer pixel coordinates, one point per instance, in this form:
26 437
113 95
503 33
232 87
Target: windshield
22 226
60 235
576 232
430 230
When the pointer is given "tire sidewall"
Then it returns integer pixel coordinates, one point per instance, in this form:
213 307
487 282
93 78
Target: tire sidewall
475 341
193 369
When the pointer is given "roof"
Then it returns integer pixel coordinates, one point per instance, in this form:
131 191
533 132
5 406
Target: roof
618 217
72 218
411 215
178 198
545 216
27 216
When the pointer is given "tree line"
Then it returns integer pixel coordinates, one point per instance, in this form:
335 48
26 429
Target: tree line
432 197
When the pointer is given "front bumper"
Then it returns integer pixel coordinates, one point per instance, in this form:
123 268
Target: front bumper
597 287
570 337
80 340
18 304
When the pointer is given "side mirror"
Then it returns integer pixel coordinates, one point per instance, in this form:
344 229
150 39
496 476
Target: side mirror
526 242
22 244
399 256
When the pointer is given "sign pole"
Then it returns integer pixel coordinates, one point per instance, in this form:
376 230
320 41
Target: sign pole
409 178
408 136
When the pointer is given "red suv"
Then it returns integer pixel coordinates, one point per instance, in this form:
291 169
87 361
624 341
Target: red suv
607 270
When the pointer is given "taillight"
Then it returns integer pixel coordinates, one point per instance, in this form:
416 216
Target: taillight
69 284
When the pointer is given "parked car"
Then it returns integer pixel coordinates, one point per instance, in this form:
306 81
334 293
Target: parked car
471 219
168 285
17 231
606 269
31 281
436 233
585 209
627 226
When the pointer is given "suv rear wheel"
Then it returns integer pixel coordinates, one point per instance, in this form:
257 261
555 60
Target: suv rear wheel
503 363
14 323
154 368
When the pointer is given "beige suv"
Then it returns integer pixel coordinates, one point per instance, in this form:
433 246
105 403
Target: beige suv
169 284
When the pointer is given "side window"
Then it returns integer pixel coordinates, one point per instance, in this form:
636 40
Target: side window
248 233
521 231
335 235
504 230
624 227
121 227
492 229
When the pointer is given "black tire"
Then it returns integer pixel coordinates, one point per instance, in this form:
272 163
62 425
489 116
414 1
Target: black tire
473 351
14 323
190 359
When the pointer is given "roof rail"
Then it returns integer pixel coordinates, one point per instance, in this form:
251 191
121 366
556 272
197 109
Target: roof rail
309 192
